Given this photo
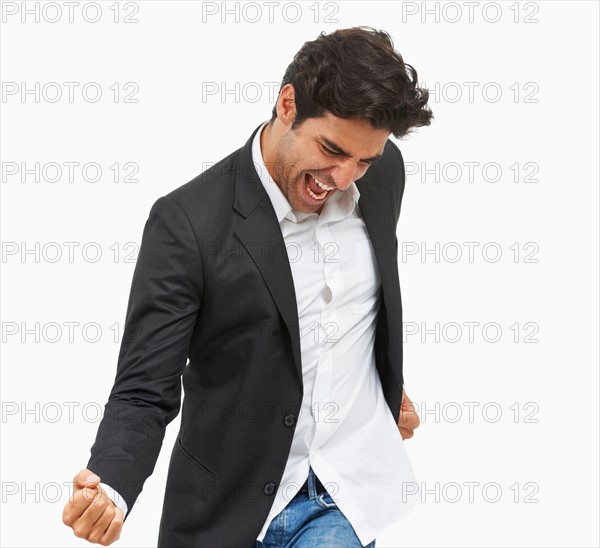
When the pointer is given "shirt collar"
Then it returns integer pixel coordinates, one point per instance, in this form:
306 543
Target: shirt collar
342 201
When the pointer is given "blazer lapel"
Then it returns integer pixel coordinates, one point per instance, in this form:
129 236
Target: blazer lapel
261 235
378 217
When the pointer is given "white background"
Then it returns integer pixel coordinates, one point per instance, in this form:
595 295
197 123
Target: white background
542 292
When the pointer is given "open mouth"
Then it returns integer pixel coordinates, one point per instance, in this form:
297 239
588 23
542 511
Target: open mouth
316 190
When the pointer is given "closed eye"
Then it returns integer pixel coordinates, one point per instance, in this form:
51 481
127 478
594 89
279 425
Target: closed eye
329 152
332 153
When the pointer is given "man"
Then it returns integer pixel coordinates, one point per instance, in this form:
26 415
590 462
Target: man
276 273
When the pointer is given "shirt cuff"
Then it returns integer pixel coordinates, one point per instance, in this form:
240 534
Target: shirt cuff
115 497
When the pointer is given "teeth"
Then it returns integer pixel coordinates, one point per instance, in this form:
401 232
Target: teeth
315 196
323 185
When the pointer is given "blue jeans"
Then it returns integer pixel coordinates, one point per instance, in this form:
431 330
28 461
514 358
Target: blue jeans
311 520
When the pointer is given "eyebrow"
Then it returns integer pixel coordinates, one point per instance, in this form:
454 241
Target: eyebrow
336 148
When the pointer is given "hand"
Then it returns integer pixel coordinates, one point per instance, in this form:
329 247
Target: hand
91 513
408 420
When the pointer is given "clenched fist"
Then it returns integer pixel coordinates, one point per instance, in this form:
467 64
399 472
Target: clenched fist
408 420
91 513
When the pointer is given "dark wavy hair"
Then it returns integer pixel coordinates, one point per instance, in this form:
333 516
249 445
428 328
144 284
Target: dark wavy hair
356 73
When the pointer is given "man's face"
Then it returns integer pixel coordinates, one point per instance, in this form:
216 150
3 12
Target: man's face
335 151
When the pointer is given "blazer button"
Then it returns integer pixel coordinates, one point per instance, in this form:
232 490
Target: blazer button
289 420
269 488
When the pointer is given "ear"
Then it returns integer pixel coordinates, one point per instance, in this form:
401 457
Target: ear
286 105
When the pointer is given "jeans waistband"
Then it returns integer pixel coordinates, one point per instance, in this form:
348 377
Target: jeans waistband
318 485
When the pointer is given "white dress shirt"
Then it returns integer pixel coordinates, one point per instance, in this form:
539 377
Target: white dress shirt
345 429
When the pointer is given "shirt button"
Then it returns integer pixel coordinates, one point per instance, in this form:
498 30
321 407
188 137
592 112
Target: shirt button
269 488
289 420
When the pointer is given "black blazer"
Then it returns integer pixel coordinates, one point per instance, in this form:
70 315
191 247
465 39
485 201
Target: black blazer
213 283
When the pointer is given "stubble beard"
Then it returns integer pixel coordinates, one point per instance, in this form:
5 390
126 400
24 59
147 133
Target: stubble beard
284 167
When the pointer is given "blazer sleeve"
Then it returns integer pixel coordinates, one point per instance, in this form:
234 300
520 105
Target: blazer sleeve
165 297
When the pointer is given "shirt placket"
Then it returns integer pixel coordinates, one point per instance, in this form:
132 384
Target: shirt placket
324 405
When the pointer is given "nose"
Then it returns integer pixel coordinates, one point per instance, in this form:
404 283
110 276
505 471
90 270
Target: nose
345 173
